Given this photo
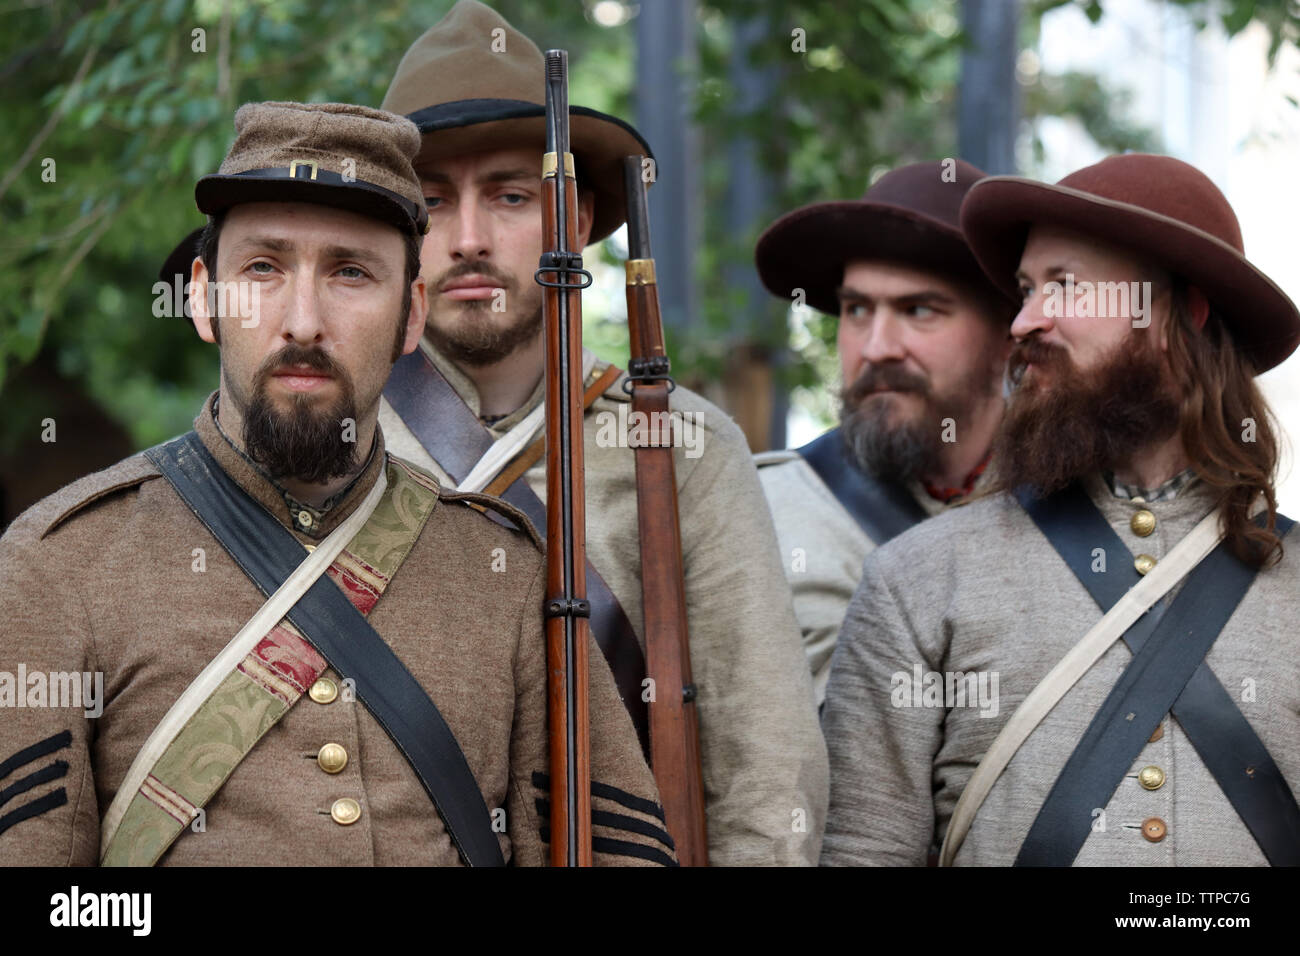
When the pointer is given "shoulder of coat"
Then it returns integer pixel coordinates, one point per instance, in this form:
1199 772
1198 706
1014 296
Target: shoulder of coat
766 459
66 503
481 503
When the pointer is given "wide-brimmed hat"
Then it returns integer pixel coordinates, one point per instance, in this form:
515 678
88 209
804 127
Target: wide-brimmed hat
473 82
1164 210
909 215
335 154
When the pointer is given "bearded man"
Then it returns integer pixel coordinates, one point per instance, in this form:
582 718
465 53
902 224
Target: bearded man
922 339
1096 664
297 649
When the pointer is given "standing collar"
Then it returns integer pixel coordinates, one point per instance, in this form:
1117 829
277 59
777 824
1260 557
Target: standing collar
308 521
1168 491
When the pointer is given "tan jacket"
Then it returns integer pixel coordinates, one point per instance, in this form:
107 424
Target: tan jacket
979 589
103 576
765 774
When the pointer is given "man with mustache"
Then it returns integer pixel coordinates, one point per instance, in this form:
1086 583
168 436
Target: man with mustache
922 344
312 654
468 406
1136 467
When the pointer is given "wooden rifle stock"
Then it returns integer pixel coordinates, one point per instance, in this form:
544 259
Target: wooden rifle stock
567 610
674 725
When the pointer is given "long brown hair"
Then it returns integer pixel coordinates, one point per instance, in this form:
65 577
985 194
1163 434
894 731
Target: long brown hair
1221 405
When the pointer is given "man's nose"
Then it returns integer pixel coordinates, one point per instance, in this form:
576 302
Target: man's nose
304 319
884 341
1032 316
470 242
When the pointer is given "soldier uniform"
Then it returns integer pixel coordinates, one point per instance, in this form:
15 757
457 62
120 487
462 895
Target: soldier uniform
763 756
116 575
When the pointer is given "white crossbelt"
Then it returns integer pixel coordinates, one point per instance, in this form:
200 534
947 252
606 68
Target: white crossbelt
1184 556
259 625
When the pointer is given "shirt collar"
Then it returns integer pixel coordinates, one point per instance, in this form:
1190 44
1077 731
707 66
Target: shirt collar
1166 492
308 521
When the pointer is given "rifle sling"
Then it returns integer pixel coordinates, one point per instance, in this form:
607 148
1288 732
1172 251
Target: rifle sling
1168 674
268 553
454 437
883 510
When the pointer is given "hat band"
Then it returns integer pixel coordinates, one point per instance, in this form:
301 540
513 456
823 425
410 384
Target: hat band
308 171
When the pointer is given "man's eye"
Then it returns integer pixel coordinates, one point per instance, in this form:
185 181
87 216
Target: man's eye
262 272
431 201
355 272
514 199
920 312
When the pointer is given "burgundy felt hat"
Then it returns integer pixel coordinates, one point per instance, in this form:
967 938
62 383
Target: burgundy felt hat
910 215
1163 209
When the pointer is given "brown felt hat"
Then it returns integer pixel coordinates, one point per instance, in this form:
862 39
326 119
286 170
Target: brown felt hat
1163 209
335 154
473 82
910 215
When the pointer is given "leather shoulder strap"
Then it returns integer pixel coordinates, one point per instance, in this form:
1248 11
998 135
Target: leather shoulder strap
882 510
268 553
1168 674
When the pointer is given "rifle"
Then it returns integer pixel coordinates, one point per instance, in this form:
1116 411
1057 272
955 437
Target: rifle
567 610
674 724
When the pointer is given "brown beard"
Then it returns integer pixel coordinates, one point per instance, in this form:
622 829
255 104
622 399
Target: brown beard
1087 421
903 450
307 442
473 340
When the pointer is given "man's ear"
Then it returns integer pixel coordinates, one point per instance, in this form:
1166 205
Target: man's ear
1199 307
586 215
415 319
204 324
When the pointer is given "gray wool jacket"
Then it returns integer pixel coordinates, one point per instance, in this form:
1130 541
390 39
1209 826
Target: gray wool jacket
980 589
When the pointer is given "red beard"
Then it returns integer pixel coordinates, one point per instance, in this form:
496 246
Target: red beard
1063 422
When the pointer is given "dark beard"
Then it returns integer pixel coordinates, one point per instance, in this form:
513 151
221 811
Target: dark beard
1087 421
901 450
307 442
476 342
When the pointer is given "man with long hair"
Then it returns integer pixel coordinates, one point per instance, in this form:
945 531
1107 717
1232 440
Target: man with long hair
1134 432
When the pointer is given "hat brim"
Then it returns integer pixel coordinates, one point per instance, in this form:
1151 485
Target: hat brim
809 247
998 212
599 143
217 193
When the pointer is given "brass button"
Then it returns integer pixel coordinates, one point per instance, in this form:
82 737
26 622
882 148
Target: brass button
333 758
1156 734
304 520
1151 778
1143 523
345 811
324 690
1144 563
310 548
1154 829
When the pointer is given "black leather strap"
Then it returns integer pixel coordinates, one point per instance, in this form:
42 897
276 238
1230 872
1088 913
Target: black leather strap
268 553
882 509
454 437
1168 674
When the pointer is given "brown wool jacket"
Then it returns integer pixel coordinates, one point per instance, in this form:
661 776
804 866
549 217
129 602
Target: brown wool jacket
101 576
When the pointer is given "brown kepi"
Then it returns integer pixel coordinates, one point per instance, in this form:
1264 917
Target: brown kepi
910 215
1163 209
473 82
